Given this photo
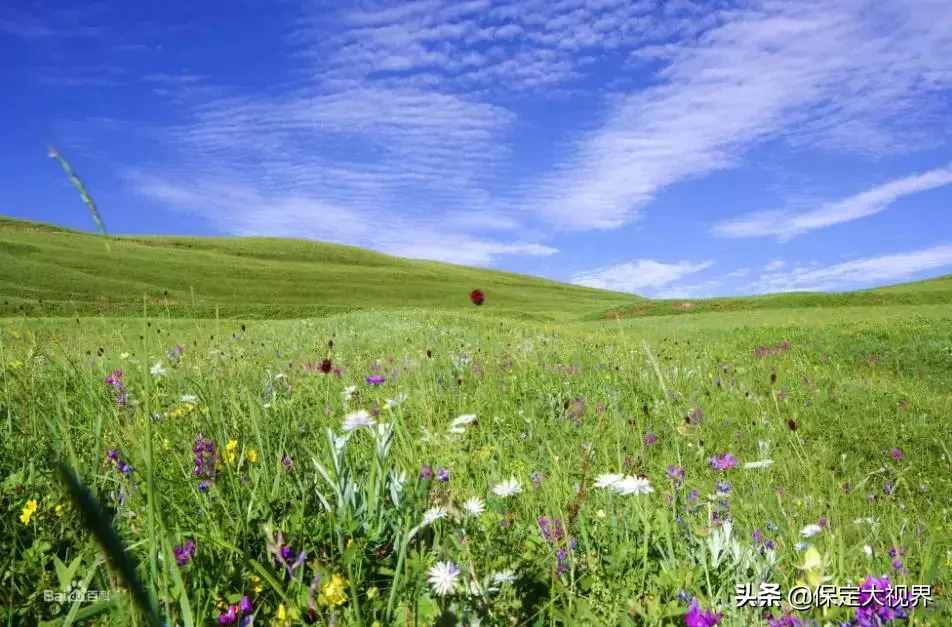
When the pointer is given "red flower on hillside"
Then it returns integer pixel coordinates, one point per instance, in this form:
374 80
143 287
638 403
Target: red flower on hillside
477 297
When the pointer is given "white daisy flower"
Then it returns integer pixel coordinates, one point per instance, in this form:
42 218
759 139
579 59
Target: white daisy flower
810 530
763 463
508 487
442 577
632 485
157 370
188 398
432 515
459 424
348 392
868 550
607 480
474 506
358 419
799 546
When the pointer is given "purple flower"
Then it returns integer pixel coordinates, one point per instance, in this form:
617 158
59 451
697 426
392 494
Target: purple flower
112 455
724 461
676 473
184 552
204 485
896 454
650 439
443 475
723 487
879 603
536 478
115 378
693 496
696 617
229 617
205 458
245 606
375 379
286 462
561 561
551 529
426 472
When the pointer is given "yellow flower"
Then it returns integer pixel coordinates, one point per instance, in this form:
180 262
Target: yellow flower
59 509
253 456
600 513
332 593
231 451
28 510
812 568
256 584
284 617
182 410
372 592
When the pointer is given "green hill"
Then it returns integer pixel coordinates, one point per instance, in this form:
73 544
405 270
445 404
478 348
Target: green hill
935 291
51 271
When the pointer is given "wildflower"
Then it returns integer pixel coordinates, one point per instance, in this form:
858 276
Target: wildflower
896 454
723 487
696 617
624 484
252 456
229 616
157 370
188 398
326 366
114 380
442 577
442 475
551 529
356 420
375 379
867 550
763 463
59 510
245 606
650 439
433 514
879 602
28 510
287 462
724 461
601 513
633 485
474 506
810 530
184 552
509 487
426 472
332 593
477 297
536 479
676 473
349 392
561 561
231 451
459 424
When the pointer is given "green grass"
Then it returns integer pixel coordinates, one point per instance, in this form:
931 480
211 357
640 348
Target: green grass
560 397
47 271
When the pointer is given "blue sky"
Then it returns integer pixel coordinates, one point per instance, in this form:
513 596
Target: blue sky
678 149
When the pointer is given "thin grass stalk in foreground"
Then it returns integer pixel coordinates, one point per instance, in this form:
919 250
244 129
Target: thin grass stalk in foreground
96 521
78 184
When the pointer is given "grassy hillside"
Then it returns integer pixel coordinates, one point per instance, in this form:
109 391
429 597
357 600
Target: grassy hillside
45 270
936 291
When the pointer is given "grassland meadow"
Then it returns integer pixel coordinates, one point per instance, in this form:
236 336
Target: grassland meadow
420 468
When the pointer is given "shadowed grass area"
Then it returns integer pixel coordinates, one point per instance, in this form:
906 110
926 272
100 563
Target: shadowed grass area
47 271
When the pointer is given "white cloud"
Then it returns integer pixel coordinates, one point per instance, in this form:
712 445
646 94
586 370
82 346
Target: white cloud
872 201
640 274
846 75
865 272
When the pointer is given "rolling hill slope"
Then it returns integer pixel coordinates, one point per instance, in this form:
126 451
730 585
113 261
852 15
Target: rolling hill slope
50 271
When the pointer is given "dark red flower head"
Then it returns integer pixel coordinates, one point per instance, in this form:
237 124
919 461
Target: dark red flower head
326 366
477 297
